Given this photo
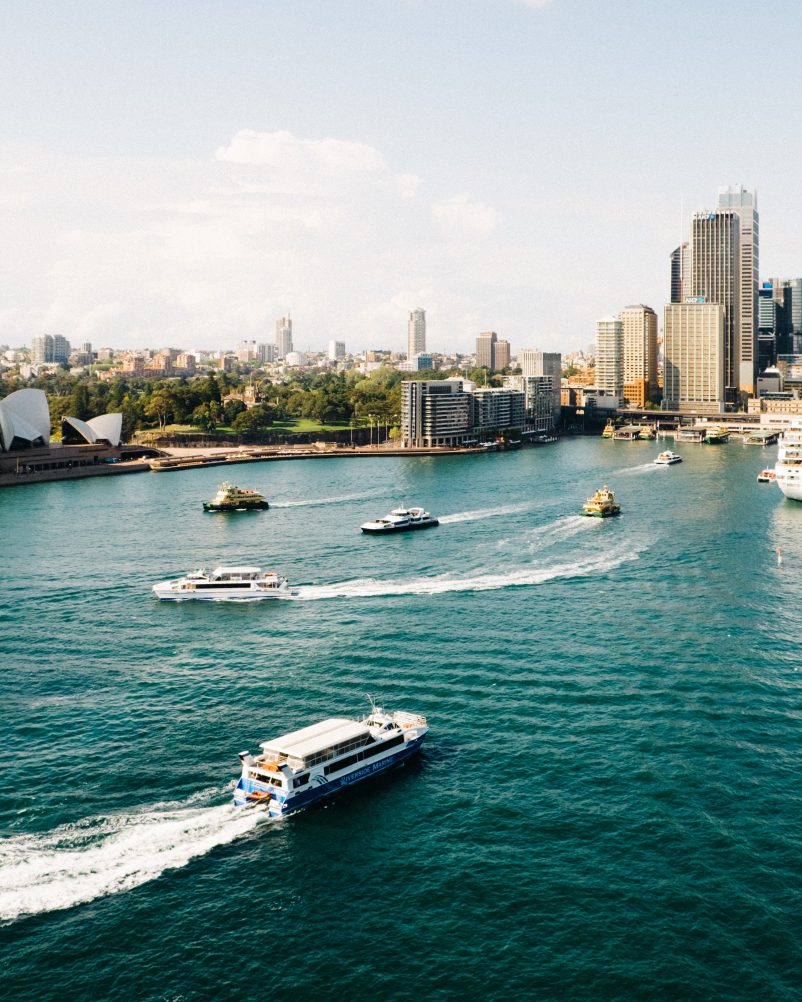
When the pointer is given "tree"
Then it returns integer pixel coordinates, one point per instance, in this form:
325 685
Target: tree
160 406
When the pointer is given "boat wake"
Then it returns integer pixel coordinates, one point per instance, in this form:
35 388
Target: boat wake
532 574
312 502
78 863
632 471
473 516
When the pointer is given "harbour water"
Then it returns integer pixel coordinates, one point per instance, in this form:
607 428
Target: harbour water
608 805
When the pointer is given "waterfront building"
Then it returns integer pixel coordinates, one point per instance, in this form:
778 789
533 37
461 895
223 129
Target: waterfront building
639 347
336 351
486 350
435 412
495 409
694 365
416 332
610 357
543 363
680 272
539 400
283 337
744 349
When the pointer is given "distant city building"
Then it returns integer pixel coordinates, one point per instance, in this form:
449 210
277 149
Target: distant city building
610 357
543 363
336 351
417 363
295 358
680 272
541 400
49 349
502 359
740 200
266 353
639 346
435 412
247 351
716 278
495 409
694 336
283 337
416 332
486 350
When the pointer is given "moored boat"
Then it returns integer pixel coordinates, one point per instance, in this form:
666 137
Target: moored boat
602 504
766 477
668 458
231 583
401 520
788 468
716 436
231 498
296 769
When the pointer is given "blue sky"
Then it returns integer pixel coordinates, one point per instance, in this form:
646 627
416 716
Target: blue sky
184 174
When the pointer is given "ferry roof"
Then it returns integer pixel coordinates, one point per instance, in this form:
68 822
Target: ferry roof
315 738
237 570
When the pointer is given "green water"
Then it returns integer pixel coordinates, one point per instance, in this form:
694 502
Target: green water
607 806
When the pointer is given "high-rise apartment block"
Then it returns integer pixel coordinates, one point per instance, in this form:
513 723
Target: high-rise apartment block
336 351
694 339
543 363
610 357
435 412
639 347
416 332
539 400
283 337
49 349
502 359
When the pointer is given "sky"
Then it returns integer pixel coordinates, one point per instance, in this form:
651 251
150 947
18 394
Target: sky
184 174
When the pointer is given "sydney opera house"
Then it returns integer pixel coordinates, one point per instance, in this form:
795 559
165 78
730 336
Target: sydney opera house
27 453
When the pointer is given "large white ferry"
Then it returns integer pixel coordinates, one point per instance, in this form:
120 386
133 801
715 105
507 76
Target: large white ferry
226 583
298 768
789 463
401 520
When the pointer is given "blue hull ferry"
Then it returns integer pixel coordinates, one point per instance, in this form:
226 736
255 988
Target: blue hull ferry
296 769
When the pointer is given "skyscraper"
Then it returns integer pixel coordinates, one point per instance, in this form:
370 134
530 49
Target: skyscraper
336 351
486 350
283 337
610 356
693 357
680 271
543 363
744 363
502 359
639 345
716 278
416 333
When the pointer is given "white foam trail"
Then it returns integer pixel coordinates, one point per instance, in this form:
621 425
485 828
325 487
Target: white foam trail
472 516
317 501
532 574
632 470
561 528
78 863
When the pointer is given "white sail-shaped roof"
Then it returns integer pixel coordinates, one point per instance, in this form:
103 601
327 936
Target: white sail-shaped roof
24 414
106 427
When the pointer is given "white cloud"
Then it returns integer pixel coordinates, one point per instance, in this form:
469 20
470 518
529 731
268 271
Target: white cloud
462 214
534 4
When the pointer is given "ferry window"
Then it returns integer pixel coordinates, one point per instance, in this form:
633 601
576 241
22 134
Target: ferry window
301 780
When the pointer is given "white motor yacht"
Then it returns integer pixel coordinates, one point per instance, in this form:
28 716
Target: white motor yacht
226 583
668 458
401 520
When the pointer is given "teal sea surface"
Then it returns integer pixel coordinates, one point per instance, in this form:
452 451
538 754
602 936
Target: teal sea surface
608 804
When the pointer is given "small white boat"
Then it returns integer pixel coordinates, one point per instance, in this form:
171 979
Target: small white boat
296 769
766 477
401 520
230 583
668 458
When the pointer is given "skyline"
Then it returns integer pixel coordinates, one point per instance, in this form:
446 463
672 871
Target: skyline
180 177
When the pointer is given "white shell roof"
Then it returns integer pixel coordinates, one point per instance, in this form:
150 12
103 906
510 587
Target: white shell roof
309 740
24 414
107 427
